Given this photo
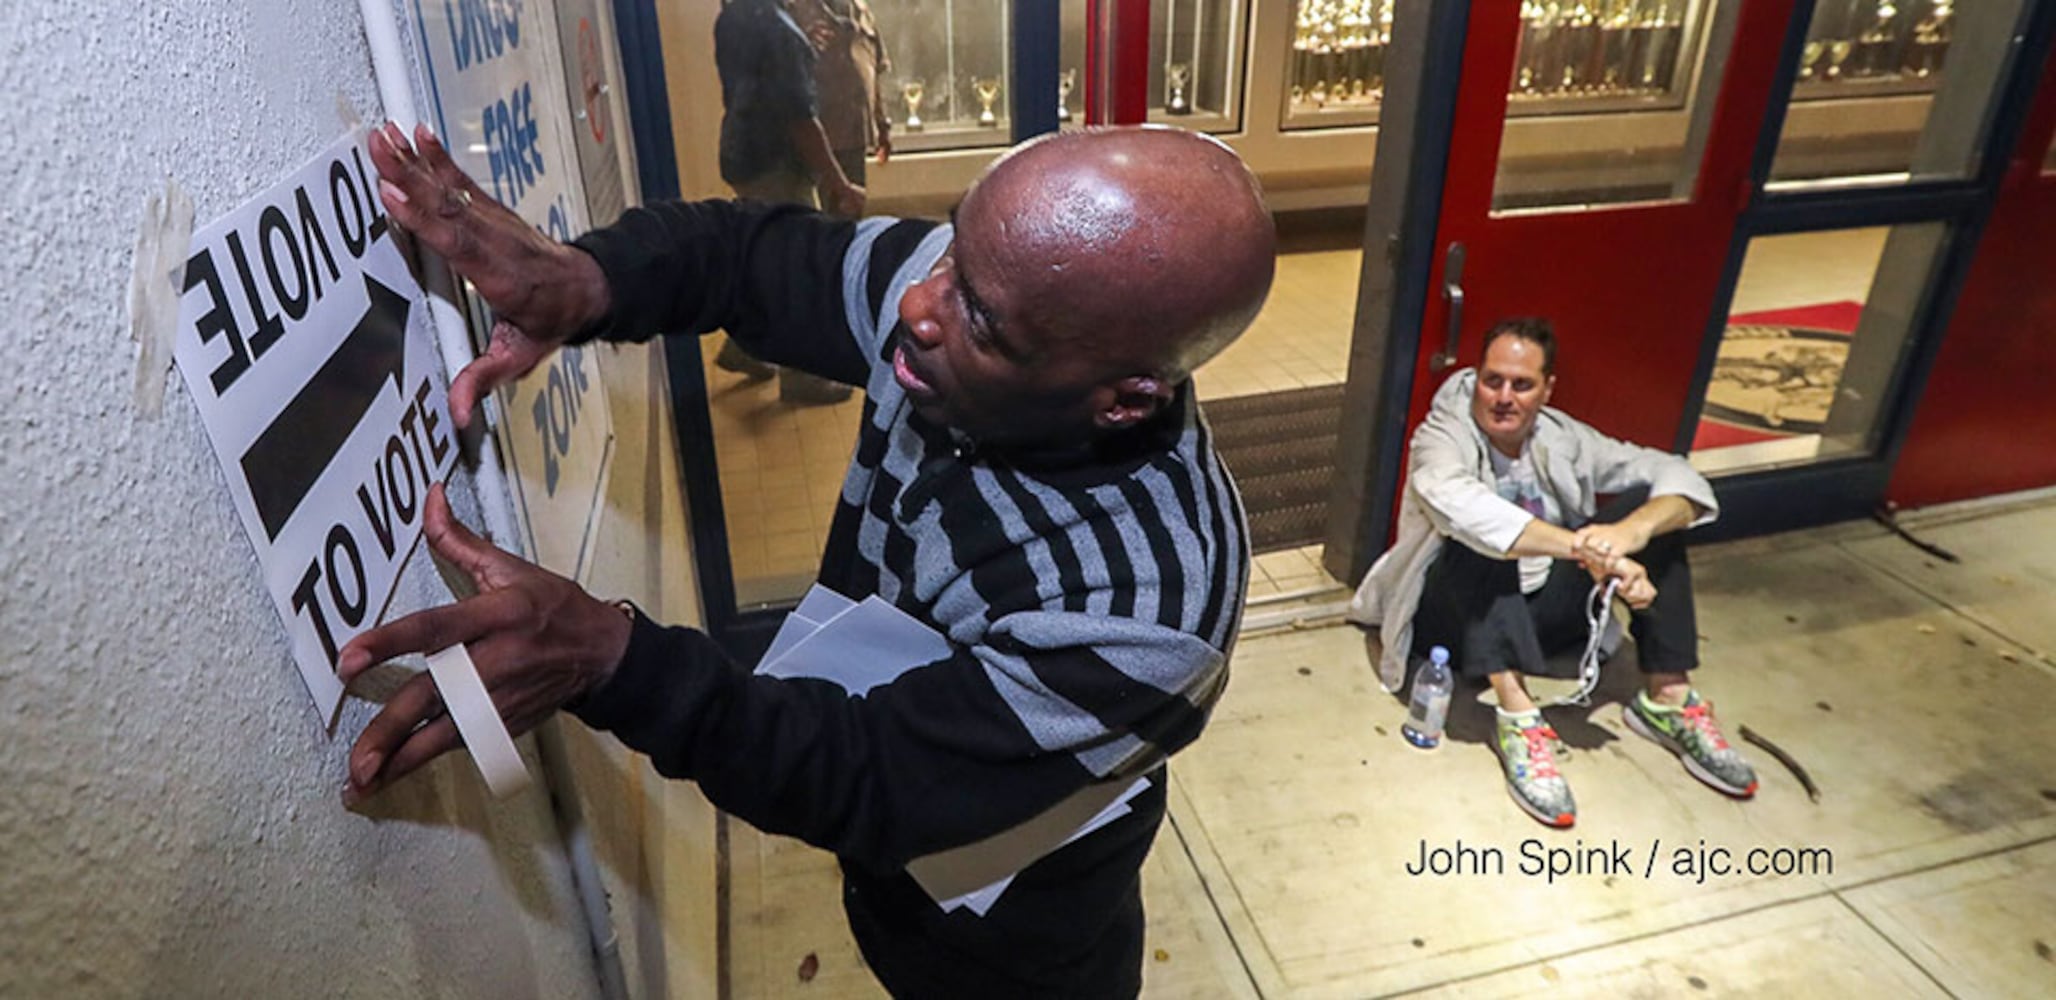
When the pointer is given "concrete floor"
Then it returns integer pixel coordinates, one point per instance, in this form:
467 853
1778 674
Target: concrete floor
1914 691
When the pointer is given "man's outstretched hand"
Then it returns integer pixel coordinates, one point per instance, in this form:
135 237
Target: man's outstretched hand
537 639
541 291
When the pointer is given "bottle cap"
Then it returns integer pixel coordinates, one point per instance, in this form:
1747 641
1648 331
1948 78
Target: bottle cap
1439 655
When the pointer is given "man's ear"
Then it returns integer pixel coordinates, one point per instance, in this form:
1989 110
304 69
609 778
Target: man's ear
1135 399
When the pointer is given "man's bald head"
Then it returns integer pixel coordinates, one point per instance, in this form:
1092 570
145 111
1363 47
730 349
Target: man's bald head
1149 246
1089 274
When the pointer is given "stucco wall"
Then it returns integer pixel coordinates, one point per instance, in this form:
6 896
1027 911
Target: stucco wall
169 821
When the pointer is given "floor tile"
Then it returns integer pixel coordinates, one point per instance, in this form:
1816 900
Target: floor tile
2004 581
1316 808
1985 927
1810 948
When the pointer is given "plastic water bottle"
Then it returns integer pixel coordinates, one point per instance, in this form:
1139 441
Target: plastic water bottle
1430 703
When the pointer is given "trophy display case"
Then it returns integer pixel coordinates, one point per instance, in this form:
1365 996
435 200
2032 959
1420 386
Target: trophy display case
1614 55
949 84
1594 56
1869 47
1605 96
1195 76
1891 91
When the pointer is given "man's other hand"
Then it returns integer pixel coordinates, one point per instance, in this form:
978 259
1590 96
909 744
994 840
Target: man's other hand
537 639
541 291
1634 577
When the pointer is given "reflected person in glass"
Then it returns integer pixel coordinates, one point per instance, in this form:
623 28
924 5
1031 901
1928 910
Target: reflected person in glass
775 147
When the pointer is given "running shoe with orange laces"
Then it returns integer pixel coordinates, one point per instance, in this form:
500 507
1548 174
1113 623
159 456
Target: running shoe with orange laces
1691 732
1527 751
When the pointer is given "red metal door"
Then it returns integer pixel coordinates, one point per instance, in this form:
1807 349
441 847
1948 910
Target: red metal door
1984 423
1629 287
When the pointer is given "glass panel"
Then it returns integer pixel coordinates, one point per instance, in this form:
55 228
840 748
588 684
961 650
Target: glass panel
1193 70
1338 62
1890 91
782 438
947 88
781 463
1597 55
1609 57
950 69
1815 338
1602 55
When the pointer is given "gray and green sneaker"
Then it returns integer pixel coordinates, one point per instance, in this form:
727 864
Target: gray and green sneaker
1691 732
1527 750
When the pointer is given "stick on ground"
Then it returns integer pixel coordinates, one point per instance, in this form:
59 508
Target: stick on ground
1792 765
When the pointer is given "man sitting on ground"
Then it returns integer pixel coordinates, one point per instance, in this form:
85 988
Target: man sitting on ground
1516 484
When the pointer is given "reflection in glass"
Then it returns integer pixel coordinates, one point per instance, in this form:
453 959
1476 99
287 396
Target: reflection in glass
1815 339
1889 91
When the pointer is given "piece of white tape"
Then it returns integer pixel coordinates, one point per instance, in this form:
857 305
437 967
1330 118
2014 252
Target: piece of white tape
464 695
346 112
163 241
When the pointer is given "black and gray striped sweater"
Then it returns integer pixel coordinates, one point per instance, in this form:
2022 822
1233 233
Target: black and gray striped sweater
1092 597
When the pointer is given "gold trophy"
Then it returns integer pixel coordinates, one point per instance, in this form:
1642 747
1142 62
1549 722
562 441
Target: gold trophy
911 91
987 89
1838 53
1065 81
1808 56
1931 40
1176 75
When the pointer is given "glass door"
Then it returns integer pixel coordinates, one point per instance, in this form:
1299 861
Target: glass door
1624 264
1738 277
1864 211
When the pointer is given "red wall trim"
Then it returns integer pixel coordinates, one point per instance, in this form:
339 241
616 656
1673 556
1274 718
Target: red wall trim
1984 423
1116 62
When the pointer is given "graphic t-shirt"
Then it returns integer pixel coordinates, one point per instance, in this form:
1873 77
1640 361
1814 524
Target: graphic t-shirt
1517 484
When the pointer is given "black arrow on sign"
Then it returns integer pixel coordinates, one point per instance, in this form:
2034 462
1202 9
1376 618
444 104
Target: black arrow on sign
282 465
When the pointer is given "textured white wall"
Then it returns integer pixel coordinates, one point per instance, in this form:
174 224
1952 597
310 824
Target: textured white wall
169 823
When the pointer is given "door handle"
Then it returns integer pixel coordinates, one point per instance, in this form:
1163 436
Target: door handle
1452 293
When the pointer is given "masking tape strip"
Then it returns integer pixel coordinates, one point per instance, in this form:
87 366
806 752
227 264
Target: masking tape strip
456 677
163 240
346 112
